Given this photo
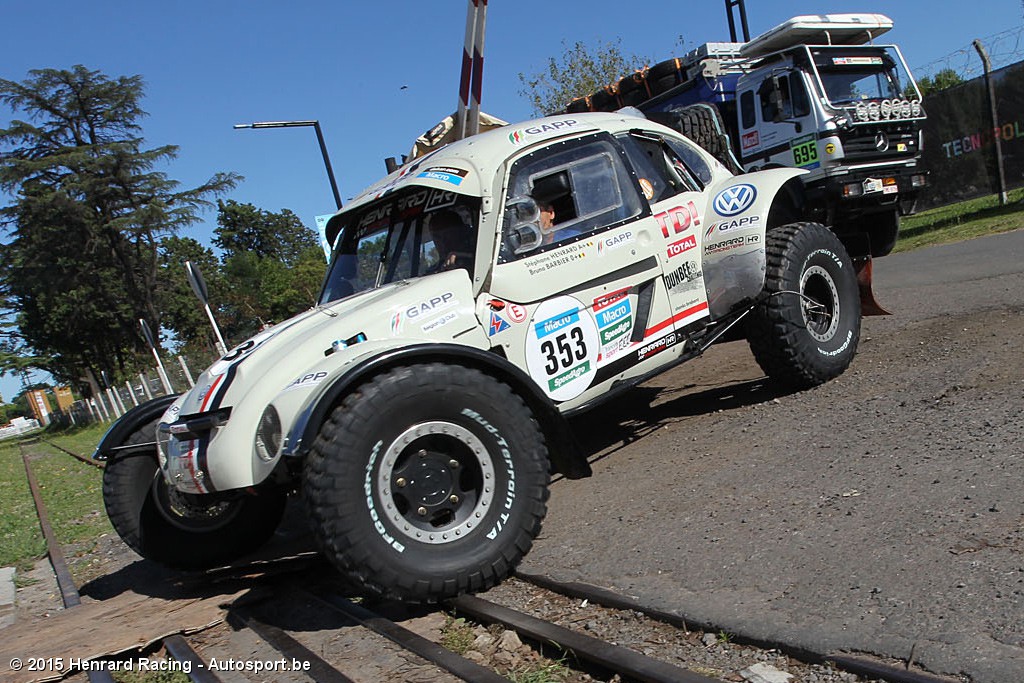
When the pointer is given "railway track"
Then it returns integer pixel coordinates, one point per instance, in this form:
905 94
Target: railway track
296 622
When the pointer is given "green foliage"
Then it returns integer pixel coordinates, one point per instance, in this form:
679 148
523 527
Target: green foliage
81 266
946 78
271 269
577 72
456 635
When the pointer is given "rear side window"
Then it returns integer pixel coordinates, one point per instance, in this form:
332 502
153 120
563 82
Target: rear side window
747 109
584 183
646 153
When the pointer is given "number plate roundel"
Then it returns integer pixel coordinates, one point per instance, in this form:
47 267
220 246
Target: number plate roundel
562 347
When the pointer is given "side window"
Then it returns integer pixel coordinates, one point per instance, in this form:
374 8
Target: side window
580 187
801 105
770 109
647 155
747 109
692 160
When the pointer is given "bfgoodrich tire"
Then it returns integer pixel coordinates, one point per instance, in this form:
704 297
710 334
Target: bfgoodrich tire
180 530
806 330
427 482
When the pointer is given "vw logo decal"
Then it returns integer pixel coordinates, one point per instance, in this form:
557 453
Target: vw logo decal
735 199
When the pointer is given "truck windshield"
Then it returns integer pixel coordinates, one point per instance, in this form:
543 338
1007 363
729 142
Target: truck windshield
412 233
851 75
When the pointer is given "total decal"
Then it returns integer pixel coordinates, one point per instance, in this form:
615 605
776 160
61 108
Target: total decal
521 134
562 347
614 315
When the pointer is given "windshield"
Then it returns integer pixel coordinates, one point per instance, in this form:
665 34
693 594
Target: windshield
415 232
852 75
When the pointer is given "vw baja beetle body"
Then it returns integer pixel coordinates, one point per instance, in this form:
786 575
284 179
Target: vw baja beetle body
418 407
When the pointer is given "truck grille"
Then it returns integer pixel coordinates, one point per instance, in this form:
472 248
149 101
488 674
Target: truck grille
875 142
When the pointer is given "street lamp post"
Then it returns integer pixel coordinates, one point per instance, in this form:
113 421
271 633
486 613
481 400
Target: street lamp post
319 136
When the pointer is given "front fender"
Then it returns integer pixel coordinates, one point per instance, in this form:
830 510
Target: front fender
565 453
128 423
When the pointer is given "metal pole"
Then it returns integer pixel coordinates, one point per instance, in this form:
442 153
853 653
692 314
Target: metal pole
145 386
320 139
327 163
990 86
188 375
128 385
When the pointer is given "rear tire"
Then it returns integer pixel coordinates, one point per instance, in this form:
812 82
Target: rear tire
180 530
807 329
427 482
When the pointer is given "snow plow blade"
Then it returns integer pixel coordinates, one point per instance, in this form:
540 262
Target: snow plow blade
868 304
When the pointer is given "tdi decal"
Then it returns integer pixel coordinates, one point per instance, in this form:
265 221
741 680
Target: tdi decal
679 217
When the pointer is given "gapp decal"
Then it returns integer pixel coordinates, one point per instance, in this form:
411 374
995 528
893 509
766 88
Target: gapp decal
562 346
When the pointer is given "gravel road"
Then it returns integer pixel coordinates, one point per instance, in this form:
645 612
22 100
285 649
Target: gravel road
880 513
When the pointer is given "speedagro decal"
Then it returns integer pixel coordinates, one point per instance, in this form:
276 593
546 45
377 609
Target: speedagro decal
734 200
615 322
518 136
562 348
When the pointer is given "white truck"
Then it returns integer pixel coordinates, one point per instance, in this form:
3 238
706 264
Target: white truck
418 408
815 93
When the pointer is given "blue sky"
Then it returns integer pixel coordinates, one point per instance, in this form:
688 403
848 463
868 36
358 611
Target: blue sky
211 64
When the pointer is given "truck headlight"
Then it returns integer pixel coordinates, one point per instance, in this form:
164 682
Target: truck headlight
268 435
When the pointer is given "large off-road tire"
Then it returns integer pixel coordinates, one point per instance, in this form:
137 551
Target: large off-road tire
806 330
428 481
703 124
181 530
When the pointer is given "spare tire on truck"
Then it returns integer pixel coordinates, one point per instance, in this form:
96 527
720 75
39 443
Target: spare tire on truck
702 123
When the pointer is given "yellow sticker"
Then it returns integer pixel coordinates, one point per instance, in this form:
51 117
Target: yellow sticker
830 148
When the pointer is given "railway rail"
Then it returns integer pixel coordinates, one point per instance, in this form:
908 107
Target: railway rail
279 583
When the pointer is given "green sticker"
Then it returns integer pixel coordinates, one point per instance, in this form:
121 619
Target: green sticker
805 152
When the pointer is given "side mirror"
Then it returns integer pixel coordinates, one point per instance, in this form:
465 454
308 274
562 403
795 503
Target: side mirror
522 225
525 237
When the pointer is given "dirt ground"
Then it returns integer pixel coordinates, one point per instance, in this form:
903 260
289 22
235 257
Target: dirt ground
880 513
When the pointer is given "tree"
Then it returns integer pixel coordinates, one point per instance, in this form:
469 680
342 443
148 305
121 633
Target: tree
182 312
81 266
576 73
272 266
945 78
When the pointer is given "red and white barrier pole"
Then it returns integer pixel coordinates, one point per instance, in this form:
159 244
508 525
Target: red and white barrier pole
473 125
467 70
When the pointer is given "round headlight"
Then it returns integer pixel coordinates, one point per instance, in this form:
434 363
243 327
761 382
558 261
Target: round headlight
268 435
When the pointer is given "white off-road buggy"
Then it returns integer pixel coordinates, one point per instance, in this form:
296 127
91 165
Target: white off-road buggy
475 297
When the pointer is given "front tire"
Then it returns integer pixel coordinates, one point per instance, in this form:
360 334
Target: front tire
180 530
427 482
806 330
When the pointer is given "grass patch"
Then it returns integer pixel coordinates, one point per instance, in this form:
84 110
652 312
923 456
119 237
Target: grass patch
81 440
71 491
962 221
550 672
456 635
150 677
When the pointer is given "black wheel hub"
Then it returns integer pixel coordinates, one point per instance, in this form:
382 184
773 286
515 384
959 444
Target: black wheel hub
436 482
